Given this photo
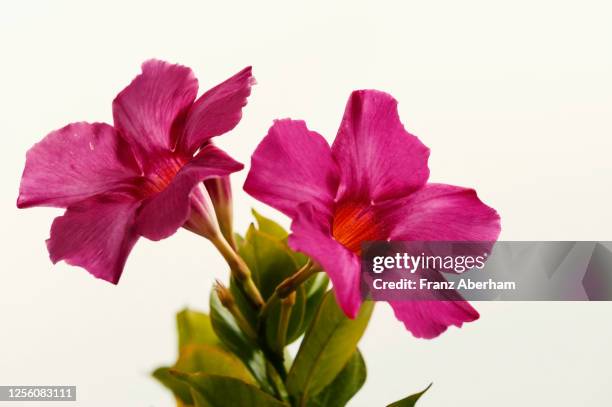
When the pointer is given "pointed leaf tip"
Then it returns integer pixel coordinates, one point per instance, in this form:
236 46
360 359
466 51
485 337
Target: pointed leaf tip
411 400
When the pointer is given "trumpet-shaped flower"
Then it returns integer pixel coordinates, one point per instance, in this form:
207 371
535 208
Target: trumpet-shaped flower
141 176
370 185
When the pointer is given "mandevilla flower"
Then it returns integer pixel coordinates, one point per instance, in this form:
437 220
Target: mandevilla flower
370 185
141 176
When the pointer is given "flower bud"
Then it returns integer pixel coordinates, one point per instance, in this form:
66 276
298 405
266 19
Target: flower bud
228 301
202 220
224 294
220 192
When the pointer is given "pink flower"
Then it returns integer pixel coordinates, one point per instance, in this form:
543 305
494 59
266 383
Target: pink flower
370 185
140 177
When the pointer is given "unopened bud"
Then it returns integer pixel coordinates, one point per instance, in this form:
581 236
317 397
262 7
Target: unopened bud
225 296
220 192
202 219
227 300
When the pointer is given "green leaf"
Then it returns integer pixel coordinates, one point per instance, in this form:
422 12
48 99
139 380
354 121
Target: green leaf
409 401
194 328
330 341
176 386
219 391
200 350
239 240
243 302
346 384
234 339
269 259
199 400
269 226
315 287
212 359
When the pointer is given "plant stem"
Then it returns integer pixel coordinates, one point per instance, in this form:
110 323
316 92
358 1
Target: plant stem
289 285
292 283
276 361
283 322
277 382
239 270
227 300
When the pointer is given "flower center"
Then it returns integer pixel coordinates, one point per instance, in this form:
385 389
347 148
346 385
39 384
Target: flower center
355 223
162 174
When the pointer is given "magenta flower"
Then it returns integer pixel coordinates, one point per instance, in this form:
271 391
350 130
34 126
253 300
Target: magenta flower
140 177
370 185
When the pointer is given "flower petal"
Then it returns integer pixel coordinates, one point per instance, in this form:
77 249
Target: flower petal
441 212
438 212
76 162
148 108
312 235
425 313
292 165
428 319
165 212
96 234
378 158
217 111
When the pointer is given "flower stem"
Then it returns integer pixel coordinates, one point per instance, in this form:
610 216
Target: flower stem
231 239
283 323
289 285
240 270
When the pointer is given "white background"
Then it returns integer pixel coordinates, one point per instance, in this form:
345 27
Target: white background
514 99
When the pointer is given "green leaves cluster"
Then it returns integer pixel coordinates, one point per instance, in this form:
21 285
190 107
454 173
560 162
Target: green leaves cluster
220 365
